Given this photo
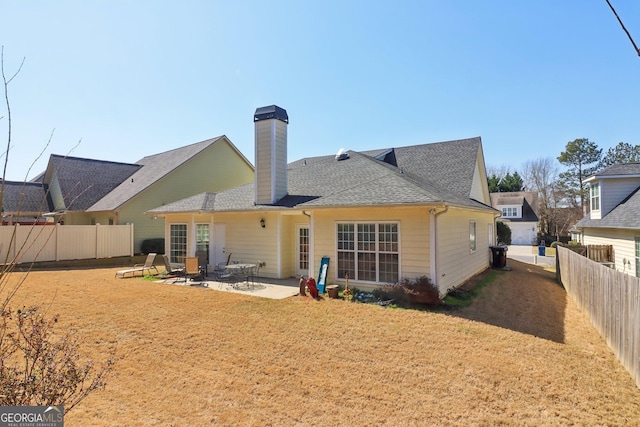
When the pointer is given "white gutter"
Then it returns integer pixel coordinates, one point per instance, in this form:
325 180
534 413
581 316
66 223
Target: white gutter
433 231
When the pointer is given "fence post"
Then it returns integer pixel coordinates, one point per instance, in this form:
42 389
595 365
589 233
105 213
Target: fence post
558 273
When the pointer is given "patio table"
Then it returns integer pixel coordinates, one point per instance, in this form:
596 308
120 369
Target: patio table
242 270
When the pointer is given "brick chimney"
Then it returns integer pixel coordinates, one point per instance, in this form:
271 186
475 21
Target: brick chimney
271 154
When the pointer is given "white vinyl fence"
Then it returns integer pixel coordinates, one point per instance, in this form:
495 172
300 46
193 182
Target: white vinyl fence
28 243
611 299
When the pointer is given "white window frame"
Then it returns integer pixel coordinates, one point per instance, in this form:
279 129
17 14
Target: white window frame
376 250
511 212
594 192
178 255
473 236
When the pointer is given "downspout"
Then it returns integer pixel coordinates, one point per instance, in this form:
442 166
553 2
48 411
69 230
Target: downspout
312 266
433 230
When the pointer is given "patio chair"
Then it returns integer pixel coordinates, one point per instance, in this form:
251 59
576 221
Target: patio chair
147 266
223 275
170 270
192 271
253 274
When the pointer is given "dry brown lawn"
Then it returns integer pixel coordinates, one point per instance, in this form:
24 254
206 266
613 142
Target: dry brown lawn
521 354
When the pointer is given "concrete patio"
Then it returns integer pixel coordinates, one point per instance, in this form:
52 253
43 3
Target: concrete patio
261 287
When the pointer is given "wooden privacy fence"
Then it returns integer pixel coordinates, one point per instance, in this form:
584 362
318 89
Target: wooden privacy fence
28 243
612 301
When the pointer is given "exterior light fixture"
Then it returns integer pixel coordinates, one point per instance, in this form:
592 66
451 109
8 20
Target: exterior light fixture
262 222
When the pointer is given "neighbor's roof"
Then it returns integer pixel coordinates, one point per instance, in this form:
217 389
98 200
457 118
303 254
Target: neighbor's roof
151 169
625 215
360 180
24 198
618 170
527 199
85 181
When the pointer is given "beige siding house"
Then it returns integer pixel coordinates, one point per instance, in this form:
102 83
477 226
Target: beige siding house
518 212
615 215
378 215
78 191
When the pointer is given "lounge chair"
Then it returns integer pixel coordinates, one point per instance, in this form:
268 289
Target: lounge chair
169 269
147 266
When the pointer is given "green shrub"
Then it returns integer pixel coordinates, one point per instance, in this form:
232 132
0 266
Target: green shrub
155 245
504 233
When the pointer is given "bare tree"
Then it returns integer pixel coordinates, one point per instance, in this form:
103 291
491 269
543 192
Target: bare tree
540 175
38 365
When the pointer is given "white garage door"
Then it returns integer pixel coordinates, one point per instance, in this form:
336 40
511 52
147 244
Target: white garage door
521 234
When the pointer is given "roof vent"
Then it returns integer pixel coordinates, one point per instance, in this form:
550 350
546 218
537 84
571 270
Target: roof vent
342 155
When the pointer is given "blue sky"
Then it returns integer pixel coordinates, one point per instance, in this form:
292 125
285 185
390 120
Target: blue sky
133 78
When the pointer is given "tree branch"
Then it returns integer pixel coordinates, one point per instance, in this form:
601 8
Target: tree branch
623 27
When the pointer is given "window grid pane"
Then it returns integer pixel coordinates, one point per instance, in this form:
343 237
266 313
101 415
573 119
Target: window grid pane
366 237
178 243
388 238
346 264
366 266
202 238
303 262
388 268
375 257
346 236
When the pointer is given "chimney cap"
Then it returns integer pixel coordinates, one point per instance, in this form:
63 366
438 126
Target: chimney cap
271 112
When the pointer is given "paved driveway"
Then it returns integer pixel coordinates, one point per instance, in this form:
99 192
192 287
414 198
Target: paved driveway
529 254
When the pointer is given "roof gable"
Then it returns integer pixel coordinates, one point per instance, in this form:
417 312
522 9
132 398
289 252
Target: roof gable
450 163
153 168
83 182
625 215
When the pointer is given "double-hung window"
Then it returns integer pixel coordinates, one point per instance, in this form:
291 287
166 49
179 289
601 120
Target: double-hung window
595 197
368 251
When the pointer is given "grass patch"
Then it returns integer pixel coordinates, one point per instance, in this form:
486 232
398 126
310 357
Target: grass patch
459 298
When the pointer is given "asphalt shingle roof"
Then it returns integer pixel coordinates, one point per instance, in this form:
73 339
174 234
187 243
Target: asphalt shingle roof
527 199
361 180
24 197
85 181
620 169
154 168
625 215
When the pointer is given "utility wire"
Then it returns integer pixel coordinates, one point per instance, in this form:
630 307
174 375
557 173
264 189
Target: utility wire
625 30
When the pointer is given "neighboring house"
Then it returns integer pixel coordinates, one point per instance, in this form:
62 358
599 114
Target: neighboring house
24 203
615 215
518 212
378 215
78 191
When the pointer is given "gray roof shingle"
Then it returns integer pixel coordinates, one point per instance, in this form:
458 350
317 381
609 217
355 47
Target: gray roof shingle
620 169
361 180
150 170
527 199
625 215
24 198
85 181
